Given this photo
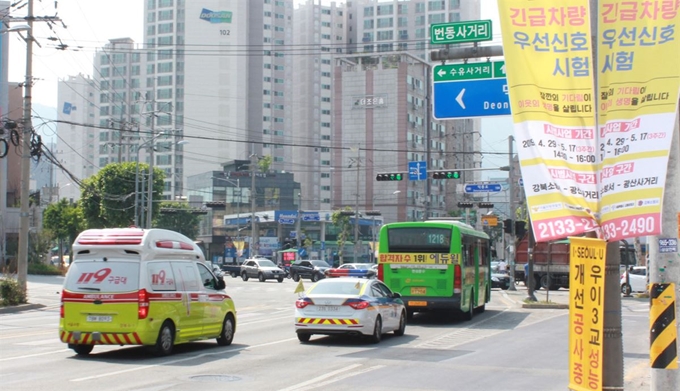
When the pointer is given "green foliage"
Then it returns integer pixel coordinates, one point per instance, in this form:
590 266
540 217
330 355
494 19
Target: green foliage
64 220
264 163
11 292
108 197
182 220
342 222
45 270
39 244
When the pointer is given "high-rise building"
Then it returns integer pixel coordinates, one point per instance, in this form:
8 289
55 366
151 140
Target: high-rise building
77 144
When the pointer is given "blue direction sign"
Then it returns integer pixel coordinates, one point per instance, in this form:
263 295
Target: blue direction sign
471 98
417 171
483 188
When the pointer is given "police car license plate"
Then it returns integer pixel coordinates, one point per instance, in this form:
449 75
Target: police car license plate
328 308
99 318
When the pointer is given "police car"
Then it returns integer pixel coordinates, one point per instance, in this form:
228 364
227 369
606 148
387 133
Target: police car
349 305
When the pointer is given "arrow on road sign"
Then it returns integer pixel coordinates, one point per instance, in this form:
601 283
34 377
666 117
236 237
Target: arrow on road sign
441 72
459 98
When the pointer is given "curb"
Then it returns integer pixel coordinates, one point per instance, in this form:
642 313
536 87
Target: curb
19 308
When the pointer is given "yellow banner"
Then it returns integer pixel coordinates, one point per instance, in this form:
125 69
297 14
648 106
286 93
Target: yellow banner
586 312
419 258
638 81
548 55
580 174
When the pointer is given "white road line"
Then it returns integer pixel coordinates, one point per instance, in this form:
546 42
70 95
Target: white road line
314 381
33 355
139 368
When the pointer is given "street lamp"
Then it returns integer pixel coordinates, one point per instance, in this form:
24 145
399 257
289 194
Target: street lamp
238 207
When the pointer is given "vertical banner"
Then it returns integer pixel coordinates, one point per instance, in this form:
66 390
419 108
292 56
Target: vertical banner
586 312
638 82
548 55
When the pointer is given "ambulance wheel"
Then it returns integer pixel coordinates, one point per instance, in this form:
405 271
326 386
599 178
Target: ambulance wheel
165 341
244 276
81 350
260 277
304 337
280 279
227 334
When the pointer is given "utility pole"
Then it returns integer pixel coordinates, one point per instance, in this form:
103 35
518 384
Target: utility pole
511 189
665 267
356 209
27 132
298 222
253 233
149 195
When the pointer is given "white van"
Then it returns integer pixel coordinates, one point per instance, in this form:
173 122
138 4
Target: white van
131 286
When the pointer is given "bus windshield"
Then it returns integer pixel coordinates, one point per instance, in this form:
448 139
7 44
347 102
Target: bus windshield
419 240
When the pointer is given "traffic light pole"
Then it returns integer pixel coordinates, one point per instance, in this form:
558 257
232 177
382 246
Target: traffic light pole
513 238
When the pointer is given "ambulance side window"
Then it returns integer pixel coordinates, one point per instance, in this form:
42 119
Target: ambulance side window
206 277
187 278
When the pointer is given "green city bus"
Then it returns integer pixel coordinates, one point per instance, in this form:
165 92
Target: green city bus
436 265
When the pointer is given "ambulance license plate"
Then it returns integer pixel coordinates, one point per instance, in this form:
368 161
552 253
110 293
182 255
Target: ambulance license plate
99 318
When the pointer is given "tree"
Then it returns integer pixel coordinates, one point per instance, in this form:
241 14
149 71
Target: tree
65 221
340 219
264 163
179 217
108 197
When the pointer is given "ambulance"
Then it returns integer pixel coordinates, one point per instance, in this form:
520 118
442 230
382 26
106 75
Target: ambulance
133 286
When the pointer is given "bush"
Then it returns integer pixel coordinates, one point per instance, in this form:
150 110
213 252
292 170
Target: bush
11 292
43 269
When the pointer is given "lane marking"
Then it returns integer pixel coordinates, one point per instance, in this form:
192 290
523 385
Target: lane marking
336 376
34 355
181 360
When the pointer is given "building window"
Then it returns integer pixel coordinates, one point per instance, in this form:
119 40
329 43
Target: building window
326 112
326 137
385 9
454 17
165 54
385 22
420 20
402 9
164 3
420 33
385 35
164 81
437 5
165 15
164 93
368 11
325 162
165 67
420 8
165 28
368 24
325 124
151 30
437 18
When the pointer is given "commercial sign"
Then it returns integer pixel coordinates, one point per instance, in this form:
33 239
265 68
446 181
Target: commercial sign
584 173
586 312
470 90
460 32
369 102
216 16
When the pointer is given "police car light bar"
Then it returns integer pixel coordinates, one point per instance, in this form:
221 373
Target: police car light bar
349 273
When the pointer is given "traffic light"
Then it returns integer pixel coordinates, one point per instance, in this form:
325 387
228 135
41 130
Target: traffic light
393 176
520 228
507 226
465 204
372 213
485 205
452 174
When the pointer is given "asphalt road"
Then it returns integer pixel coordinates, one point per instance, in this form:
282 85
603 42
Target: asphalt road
507 347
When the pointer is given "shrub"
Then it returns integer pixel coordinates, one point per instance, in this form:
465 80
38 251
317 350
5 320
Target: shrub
11 292
43 269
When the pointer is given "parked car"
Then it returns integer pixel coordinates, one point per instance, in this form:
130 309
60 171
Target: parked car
313 269
262 269
637 280
359 270
500 281
349 305
232 268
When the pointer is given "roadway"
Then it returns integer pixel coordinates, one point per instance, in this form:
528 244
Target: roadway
507 347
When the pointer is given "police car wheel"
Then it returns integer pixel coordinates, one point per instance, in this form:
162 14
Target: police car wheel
377 331
304 337
165 341
227 334
402 325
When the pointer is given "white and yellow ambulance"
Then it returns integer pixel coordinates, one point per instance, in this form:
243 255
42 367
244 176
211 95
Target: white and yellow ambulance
132 286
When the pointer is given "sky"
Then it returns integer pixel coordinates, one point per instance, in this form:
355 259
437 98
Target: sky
91 23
